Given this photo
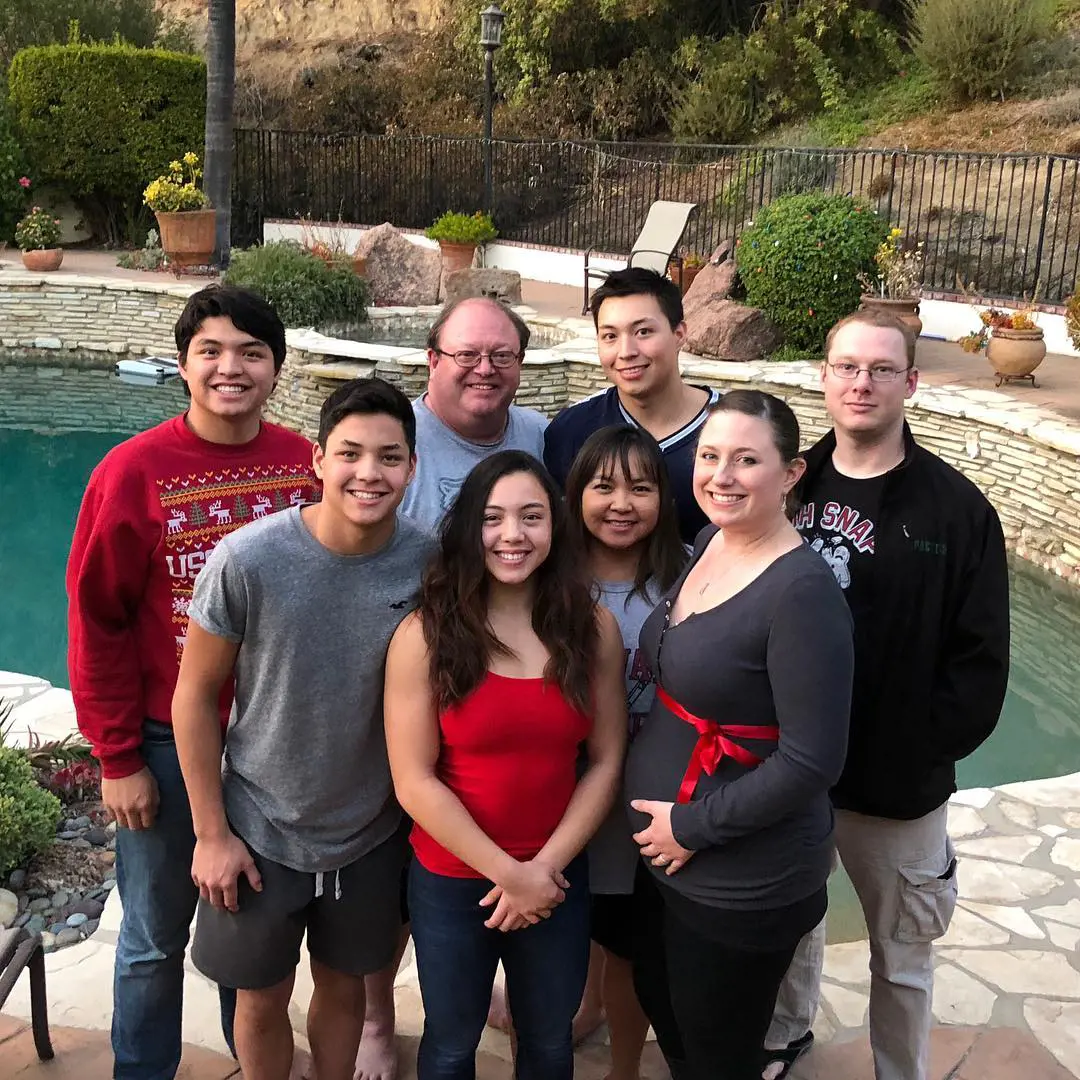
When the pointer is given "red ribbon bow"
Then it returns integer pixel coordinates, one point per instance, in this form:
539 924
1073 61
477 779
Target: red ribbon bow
714 743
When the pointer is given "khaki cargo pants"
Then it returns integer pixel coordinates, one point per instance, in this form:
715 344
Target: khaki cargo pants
904 873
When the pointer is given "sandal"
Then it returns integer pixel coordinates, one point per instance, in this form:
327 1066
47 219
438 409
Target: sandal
786 1057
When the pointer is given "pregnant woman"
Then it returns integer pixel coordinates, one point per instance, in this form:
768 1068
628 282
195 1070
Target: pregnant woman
729 776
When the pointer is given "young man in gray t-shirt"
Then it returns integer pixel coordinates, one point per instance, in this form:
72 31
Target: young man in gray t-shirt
299 831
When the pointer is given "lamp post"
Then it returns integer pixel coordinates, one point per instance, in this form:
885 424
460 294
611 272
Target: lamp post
491 31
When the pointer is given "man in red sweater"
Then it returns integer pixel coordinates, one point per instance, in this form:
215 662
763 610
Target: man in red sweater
153 510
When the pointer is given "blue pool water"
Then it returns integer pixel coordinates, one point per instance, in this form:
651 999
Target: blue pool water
43 471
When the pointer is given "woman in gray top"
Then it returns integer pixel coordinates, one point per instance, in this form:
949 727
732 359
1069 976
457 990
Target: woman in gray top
729 777
620 503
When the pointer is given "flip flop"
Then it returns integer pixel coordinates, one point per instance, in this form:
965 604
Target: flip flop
787 1056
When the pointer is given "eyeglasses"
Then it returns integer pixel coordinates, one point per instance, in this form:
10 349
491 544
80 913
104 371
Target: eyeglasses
878 373
469 358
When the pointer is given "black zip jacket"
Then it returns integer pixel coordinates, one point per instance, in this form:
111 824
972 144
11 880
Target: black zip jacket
933 664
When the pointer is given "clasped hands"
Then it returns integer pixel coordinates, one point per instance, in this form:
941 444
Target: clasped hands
530 894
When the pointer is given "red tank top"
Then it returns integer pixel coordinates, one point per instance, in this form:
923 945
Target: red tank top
509 753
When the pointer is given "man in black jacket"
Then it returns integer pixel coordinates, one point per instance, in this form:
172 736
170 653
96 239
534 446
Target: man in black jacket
920 555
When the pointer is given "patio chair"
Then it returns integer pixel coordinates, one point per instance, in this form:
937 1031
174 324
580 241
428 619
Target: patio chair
21 950
655 245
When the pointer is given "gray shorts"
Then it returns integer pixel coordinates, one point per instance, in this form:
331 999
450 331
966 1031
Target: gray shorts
353 926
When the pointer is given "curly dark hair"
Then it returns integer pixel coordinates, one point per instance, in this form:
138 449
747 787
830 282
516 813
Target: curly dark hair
455 589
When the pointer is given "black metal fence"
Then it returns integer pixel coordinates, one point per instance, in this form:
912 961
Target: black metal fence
1000 223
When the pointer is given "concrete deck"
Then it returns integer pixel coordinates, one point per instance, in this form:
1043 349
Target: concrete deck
1010 961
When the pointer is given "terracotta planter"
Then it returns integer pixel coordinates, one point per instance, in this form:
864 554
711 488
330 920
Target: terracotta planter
359 265
43 259
456 256
683 276
906 309
1015 354
187 238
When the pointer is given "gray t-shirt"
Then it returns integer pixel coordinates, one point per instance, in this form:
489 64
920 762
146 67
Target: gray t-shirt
444 458
306 778
613 855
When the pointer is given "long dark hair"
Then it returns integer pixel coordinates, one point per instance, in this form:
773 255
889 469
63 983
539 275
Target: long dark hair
454 594
630 449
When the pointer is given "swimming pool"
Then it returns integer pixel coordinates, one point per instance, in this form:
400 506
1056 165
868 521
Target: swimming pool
64 425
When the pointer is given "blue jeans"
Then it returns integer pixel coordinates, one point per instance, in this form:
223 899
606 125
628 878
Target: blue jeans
153 874
456 957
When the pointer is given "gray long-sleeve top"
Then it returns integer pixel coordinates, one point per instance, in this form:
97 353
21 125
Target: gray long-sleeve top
778 653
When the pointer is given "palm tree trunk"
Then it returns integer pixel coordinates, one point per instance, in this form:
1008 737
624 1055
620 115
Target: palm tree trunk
220 87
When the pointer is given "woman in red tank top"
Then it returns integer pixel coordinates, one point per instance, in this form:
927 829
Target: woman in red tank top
492 687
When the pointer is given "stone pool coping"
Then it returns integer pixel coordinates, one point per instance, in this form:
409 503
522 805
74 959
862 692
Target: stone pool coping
1010 958
1025 458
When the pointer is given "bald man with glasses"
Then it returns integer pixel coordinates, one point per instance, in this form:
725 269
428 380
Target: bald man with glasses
475 351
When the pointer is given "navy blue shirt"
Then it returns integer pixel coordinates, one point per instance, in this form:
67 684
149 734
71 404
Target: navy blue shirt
566 434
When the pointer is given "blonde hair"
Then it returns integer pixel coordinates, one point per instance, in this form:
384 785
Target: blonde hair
883 319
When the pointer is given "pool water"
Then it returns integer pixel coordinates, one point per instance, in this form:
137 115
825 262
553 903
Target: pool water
43 472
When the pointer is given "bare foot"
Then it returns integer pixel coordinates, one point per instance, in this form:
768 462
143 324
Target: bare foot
588 1019
377 1058
303 1068
498 1012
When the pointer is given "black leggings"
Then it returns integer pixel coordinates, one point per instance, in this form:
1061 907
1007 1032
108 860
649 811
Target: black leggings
710 1004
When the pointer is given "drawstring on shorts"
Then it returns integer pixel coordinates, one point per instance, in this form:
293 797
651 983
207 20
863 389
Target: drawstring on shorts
319 884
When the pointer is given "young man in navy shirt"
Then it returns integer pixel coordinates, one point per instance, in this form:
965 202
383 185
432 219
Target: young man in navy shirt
639 332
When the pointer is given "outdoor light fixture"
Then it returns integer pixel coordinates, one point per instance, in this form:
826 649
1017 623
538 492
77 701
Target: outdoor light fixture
491 26
491 31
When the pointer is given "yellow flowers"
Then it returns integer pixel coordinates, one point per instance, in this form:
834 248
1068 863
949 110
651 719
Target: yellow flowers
177 190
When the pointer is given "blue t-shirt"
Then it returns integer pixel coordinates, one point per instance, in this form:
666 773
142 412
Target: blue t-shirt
566 434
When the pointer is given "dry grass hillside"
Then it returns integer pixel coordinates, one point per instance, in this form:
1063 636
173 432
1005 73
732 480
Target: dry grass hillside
299 33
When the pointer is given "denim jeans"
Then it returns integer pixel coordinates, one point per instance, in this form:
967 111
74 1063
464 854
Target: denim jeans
153 874
457 956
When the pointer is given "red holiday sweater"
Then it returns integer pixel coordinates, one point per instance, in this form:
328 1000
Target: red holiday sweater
153 511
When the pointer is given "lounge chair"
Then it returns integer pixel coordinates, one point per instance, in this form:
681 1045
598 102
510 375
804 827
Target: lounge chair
21 951
655 245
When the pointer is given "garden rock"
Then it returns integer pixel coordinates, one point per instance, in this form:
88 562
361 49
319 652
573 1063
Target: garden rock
92 909
68 936
59 899
730 331
714 282
77 920
398 271
48 941
9 908
17 879
502 285
41 903
97 837
36 924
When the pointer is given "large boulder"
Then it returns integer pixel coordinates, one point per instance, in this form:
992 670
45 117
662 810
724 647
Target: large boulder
714 281
730 331
502 285
399 271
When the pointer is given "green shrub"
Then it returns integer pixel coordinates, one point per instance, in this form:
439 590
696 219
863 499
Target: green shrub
28 814
456 228
102 120
13 168
799 59
306 289
978 50
801 258
48 22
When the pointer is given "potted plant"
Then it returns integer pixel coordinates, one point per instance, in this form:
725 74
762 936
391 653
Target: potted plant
683 272
185 221
38 237
1013 341
459 235
898 281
